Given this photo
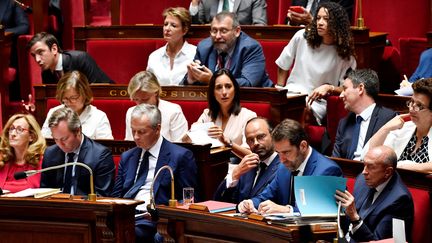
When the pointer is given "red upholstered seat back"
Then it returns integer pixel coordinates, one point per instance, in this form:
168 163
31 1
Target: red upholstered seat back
73 15
116 159
272 50
29 71
335 112
272 11
131 11
421 230
350 184
122 59
410 50
191 109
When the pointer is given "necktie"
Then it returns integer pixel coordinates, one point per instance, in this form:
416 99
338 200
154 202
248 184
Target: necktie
143 166
314 7
369 199
355 137
225 6
67 185
292 195
262 170
221 60
58 74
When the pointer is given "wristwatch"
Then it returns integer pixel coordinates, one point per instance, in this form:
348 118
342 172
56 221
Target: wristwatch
229 144
356 222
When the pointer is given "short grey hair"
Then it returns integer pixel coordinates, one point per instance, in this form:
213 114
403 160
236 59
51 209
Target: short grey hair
150 111
69 116
224 14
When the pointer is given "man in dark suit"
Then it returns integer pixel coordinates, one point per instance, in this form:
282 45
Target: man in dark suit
228 47
54 62
249 12
139 165
360 89
256 170
309 9
297 158
379 196
73 146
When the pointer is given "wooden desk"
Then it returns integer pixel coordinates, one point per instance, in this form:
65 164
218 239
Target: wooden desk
180 225
394 102
56 220
369 45
281 107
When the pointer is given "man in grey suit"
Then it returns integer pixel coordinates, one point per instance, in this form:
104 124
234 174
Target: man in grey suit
360 89
249 12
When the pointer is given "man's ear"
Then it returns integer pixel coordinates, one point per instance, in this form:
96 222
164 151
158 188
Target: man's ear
361 88
303 146
54 48
237 31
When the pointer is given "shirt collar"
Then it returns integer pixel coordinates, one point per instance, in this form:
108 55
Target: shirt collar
367 113
302 166
59 66
381 186
155 149
269 159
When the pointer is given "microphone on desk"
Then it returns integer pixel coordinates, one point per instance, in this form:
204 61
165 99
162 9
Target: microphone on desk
151 207
340 235
25 7
27 173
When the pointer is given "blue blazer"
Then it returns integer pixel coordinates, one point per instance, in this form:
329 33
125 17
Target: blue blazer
178 158
380 116
13 18
247 63
278 190
95 155
244 189
394 201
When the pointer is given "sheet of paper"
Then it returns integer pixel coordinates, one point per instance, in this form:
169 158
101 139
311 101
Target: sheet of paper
405 91
399 231
199 135
31 192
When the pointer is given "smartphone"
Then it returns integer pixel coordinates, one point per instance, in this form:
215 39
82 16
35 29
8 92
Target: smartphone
297 9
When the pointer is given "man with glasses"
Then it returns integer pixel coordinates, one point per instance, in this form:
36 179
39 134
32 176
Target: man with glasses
228 47
55 62
73 146
360 89
409 134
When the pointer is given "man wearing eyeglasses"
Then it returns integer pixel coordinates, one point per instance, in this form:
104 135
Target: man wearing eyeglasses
410 134
73 146
230 48
365 118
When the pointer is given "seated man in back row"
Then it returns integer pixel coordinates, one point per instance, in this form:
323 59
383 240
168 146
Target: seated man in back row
228 47
54 62
298 158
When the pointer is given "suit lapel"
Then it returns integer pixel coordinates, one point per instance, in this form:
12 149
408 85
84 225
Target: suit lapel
311 164
130 176
236 5
163 159
212 60
381 197
372 123
264 181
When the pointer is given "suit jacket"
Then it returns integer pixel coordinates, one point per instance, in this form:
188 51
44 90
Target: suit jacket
247 63
13 18
244 189
181 160
348 5
93 154
80 61
279 189
249 12
394 201
380 116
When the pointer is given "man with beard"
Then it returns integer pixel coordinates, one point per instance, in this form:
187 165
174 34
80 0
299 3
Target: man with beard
256 170
228 47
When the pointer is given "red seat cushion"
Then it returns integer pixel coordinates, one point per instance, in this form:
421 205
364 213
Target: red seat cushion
421 229
272 50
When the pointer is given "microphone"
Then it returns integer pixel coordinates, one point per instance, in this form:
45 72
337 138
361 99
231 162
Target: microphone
151 207
26 8
340 235
25 174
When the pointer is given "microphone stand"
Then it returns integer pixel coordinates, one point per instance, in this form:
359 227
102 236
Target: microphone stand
151 207
91 195
26 8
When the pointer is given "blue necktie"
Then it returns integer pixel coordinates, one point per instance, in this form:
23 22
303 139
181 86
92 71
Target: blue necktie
68 180
291 200
355 137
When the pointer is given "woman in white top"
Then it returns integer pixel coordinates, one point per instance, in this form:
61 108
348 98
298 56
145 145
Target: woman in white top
144 88
169 63
226 112
73 91
320 56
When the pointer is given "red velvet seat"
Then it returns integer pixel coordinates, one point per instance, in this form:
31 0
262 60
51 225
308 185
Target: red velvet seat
272 50
410 50
421 227
131 10
29 70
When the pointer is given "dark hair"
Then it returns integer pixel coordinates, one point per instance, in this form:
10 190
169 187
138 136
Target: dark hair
46 38
213 105
338 27
290 130
78 81
367 77
69 116
270 127
424 86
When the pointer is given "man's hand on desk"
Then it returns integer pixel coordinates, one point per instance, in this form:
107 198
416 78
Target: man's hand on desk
247 206
268 207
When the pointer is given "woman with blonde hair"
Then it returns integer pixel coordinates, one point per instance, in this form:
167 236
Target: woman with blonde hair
73 91
21 148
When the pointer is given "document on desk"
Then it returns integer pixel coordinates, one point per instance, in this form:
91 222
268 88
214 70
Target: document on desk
199 134
315 195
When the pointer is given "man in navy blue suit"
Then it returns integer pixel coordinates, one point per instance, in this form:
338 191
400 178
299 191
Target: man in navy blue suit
256 170
139 165
297 158
73 146
228 47
379 196
360 89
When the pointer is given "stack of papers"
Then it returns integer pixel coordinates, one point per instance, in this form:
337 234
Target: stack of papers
199 134
36 192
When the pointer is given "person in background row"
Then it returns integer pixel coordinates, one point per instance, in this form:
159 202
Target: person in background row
54 62
21 148
73 91
320 56
144 88
249 12
423 70
169 63
409 134
360 89
228 47
379 196
73 146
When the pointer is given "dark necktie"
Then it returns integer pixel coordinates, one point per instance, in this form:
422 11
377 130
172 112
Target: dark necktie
355 137
68 175
225 6
262 170
369 198
292 195
58 74
221 60
143 166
